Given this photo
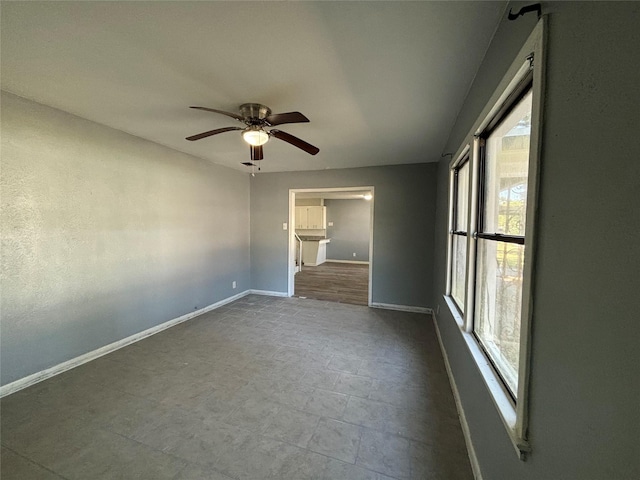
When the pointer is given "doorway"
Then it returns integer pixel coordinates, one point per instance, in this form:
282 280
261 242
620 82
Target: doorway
331 244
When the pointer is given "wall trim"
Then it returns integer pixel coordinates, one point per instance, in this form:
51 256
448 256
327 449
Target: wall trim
402 308
471 451
268 293
42 375
359 262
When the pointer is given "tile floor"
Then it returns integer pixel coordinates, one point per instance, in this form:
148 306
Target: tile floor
262 388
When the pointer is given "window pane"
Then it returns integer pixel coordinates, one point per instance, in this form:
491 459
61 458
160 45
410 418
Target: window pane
498 305
462 202
506 171
459 269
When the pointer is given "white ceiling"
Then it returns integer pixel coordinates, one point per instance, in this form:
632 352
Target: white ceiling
381 82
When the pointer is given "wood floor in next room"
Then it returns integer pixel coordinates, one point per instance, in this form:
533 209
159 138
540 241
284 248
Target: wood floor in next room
262 388
334 282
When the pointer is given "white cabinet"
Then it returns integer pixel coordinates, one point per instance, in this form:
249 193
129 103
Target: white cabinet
311 218
317 218
301 217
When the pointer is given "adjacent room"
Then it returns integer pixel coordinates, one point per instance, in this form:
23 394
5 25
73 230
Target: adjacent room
319 240
333 243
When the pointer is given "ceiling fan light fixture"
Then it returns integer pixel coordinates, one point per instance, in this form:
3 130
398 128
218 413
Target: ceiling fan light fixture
256 118
255 137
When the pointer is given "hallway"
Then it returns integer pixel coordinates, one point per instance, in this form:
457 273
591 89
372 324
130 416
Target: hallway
264 387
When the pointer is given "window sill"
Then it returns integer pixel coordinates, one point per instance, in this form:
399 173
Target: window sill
454 311
497 392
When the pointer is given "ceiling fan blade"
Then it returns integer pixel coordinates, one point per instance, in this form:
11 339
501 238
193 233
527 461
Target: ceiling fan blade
256 152
212 132
295 141
228 114
289 117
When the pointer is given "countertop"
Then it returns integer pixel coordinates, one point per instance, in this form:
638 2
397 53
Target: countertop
313 238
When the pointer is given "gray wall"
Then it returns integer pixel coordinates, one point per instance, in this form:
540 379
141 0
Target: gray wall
105 235
584 389
350 231
403 227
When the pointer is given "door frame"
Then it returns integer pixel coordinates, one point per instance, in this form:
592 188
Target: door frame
291 262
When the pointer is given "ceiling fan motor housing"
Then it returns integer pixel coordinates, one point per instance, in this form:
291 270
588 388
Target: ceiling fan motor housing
254 113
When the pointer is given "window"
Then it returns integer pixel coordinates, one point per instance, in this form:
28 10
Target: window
492 190
459 232
504 167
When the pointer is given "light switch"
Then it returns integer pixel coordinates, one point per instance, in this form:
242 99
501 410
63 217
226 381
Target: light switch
284 226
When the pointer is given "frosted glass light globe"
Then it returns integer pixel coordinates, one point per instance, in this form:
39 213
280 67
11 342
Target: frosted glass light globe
255 137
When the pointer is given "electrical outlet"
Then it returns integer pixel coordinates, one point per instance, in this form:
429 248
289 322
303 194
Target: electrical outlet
354 254
233 284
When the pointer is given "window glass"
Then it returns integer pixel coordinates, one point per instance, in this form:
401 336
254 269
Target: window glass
506 168
462 201
498 305
459 269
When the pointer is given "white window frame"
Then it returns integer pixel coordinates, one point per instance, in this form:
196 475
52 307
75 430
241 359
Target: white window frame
513 414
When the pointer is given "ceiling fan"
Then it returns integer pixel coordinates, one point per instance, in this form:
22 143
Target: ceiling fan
257 118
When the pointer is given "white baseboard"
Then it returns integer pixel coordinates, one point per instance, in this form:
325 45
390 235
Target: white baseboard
359 262
87 357
402 308
268 293
473 459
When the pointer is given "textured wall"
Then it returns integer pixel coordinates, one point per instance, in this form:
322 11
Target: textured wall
403 228
105 235
584 390
350 231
